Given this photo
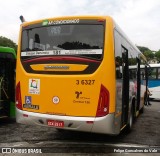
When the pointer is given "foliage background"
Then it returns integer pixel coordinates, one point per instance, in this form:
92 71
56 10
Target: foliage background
7 43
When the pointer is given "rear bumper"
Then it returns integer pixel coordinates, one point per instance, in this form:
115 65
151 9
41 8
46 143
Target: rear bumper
103 125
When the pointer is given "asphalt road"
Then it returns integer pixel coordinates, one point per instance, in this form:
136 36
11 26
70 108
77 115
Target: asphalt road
145 134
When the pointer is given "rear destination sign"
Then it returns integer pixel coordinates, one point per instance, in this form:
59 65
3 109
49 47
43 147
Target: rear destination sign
56 22
62 52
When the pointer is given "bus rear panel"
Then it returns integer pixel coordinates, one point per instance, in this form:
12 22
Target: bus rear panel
60 79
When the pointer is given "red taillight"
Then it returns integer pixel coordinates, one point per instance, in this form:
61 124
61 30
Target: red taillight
18 96
103 103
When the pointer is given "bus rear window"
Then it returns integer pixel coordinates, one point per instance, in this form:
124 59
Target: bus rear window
81 40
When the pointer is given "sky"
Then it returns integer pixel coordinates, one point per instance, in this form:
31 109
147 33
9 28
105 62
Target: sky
139 19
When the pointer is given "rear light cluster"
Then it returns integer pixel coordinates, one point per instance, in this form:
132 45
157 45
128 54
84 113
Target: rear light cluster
18 97
103 103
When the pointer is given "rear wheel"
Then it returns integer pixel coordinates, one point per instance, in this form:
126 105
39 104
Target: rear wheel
131 119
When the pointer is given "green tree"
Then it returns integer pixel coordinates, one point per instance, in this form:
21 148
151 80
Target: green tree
143 49
147 53
7 43
157 55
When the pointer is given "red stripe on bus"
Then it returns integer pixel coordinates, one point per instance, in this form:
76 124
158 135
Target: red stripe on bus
61 58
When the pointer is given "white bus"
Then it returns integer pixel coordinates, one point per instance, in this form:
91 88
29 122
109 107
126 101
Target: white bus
154 81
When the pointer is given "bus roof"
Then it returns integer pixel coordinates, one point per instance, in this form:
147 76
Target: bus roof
26 23
7 50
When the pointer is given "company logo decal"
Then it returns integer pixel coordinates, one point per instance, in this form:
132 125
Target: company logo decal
78 94
56 67
80 98
45 22
34 86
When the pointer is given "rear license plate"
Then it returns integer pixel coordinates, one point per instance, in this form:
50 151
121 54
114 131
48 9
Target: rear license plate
55 123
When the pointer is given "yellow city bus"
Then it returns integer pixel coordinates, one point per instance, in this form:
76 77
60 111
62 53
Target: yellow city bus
74 73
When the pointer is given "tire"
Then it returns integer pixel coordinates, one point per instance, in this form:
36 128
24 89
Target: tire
131 120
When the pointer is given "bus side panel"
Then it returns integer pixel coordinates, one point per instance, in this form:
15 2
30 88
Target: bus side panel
118 92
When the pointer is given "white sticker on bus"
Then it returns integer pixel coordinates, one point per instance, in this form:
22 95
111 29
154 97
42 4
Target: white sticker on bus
34 86
63 52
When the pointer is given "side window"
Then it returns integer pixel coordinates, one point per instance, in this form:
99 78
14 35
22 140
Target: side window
143 74
132 61
125 63
158 73
132 74
118 67
152 73
118 55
